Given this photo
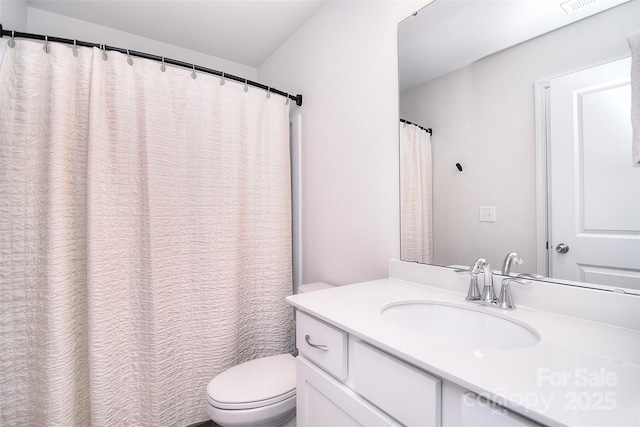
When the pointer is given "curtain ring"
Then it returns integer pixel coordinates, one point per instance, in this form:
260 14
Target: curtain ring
246 88
103 47
75 48
163 67
193 71
287 103
129 59
46 46
12 41
222 79
268 92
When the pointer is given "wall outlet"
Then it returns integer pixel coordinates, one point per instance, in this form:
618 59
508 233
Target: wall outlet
487 214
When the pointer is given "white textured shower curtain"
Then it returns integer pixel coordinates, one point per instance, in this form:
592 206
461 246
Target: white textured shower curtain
145 238
416 219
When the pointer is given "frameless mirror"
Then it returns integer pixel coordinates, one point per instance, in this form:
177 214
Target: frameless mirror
530 150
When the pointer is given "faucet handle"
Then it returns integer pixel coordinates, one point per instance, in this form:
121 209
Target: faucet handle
505 301
531 276
473 294
521 281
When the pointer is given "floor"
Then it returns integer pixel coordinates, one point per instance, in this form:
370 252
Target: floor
204 424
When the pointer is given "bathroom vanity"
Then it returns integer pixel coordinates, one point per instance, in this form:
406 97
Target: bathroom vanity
370 355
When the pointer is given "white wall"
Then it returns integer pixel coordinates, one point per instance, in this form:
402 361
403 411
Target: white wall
344 62
483 117
44 22
13 15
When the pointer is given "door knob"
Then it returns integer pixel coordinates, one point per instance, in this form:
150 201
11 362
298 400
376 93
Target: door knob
563 248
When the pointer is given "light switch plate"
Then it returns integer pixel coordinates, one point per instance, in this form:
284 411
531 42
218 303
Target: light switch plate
487 214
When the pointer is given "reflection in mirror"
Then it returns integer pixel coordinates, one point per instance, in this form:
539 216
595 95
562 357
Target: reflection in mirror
415 193
516 110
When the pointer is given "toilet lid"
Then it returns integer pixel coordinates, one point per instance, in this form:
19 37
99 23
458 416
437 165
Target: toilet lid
256 383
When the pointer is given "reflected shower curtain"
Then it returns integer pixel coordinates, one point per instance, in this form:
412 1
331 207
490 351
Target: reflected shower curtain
416 230
145 241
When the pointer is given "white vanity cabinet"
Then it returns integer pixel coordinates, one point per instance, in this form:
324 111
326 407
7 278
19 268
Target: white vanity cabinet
399 371
344 381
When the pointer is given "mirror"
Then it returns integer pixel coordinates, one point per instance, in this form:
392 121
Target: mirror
502 86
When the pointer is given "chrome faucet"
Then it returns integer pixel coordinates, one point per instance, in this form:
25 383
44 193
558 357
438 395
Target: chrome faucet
505 301
488 293
510 258
514 258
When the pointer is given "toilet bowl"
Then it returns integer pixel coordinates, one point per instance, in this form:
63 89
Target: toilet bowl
260 392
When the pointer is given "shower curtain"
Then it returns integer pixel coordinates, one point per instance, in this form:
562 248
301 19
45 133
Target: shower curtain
416 229
145 237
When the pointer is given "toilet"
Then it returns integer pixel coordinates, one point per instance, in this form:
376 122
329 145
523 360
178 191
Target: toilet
260 392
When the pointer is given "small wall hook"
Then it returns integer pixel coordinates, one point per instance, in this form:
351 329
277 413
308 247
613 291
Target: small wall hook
459 166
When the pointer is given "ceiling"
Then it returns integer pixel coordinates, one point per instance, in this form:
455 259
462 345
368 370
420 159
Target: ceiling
242 31
447 35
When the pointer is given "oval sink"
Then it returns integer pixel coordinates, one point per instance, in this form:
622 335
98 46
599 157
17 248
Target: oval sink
457 325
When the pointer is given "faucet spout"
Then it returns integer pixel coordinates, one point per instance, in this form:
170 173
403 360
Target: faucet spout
510 258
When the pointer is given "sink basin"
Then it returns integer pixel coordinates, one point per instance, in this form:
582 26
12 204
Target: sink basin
459 325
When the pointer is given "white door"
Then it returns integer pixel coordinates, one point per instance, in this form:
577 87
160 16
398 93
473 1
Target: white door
595 190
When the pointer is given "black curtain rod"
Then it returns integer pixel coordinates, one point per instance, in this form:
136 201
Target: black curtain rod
428 130
19 34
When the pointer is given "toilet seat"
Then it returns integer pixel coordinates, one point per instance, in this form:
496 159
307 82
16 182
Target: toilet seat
254 384
251 405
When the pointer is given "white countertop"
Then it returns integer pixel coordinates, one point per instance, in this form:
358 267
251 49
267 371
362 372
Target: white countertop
581 373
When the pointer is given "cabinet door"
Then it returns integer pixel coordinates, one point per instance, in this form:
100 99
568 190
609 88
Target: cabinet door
406 393
478 412
322 401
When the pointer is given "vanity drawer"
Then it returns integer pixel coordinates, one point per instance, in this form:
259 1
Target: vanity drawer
323 344
406 393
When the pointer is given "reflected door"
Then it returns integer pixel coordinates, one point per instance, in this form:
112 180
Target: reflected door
594 188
